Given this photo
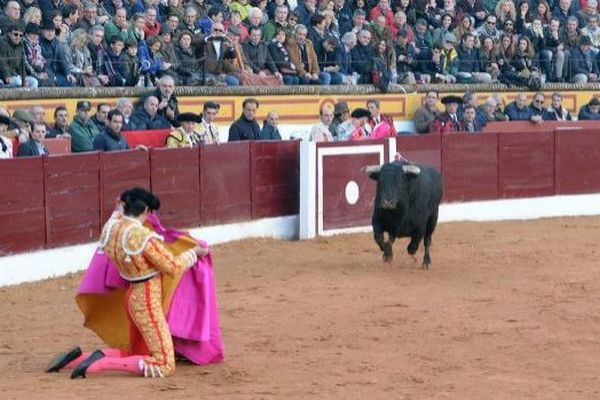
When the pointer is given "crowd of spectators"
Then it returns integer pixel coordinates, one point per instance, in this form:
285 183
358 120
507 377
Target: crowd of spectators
95 43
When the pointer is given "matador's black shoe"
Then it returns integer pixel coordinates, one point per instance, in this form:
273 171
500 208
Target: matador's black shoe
61 360
81 369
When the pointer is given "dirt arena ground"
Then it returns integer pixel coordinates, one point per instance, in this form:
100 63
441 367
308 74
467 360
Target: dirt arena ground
509 311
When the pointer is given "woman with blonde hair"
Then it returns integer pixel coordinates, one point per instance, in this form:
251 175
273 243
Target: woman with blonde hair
33 15
81 59
505 10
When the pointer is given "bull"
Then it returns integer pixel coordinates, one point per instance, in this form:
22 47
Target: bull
406 205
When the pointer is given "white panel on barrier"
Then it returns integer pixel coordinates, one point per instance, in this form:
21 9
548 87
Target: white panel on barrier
308 178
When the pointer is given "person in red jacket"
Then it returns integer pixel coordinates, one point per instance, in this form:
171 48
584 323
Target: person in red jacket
448 121
379 125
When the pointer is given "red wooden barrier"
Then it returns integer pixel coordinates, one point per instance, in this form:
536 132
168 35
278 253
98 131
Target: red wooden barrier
577 161
151 138
22 224
275 178
72 192
225 192
119 171
175 178
425 149
526 163
58 146
470 166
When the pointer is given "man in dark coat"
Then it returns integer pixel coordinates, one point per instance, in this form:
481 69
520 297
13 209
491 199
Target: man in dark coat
362 57
54 55
591 111
246 127
111 139
269 130
148 117
35 145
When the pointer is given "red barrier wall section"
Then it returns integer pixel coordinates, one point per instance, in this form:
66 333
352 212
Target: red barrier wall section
526 164
22 223
150 138
119 171
344 194
175 178
72 191
275 180
577 162
422 149
470 166
225 193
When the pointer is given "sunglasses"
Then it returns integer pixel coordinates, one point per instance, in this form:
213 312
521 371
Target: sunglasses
16 34
218 30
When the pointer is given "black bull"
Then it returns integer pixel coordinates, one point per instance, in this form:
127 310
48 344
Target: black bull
406 205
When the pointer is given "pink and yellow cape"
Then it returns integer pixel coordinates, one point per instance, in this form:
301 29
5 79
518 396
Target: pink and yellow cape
189 301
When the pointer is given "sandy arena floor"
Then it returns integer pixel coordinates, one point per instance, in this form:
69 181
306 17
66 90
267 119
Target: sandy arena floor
509 311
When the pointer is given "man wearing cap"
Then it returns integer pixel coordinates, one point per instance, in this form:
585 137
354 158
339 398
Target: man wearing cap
353 129
448 121
590 111
35 145
426 114
209 132
341 114
584 67
23 120
11 54
6 148
110 139
187 135
82 129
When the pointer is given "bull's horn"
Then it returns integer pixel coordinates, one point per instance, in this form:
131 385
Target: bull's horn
370 169
411 169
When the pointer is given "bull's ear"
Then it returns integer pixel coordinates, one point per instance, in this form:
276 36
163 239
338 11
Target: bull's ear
411 169
372 171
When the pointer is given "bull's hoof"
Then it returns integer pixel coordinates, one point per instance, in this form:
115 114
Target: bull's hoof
426 262
412 250
387 258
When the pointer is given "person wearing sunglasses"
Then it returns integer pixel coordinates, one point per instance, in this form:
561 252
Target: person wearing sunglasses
217 48
11 50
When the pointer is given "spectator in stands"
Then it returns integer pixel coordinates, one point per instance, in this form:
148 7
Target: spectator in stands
383 9
590 111
553 44
305 11
332 61
344 15
259 60
303 56
147 117
218 47
353 129
113 65
209 132
6 148
61 123
190 23
379 125
187 135
58 67
35 63
424 115
246 127
470 68
448 121
584 67
167 52
321 131
99 119
81 60
255 18
469 120
110 139
537 108
563 11
82 129
270 131
96 48
279 21
214 16
132 67
187 69
23 120
489 109
35 145
119 26
278 50
125 106
592 30
556 112
11 54
89 18
38 114
168 106
518 110
362 57
152 26
11 16
405 59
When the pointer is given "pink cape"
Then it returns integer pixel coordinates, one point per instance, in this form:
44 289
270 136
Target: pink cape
192 316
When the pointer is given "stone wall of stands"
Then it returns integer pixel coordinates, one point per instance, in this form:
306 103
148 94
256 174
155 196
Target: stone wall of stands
60 200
